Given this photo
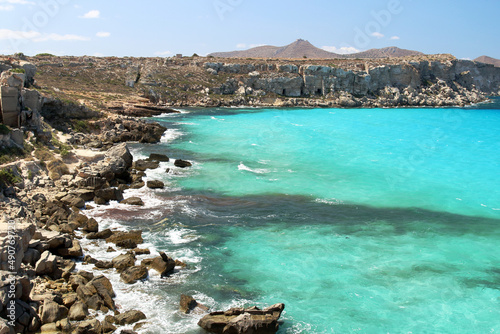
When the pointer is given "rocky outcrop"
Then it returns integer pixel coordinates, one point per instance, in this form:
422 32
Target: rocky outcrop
243 321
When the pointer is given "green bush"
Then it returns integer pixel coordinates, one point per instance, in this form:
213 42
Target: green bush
4 129
18 70
7 178
45 55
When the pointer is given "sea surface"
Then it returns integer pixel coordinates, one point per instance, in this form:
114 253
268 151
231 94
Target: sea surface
359 220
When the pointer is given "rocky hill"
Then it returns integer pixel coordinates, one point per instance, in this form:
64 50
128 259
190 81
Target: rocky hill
488 60
151 86
304 49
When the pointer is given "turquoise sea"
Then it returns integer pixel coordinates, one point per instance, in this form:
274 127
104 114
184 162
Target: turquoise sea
359 220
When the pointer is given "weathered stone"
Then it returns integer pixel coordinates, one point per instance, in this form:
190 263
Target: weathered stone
182 163
155 184
109 194
128 244
243 321
129 317
142 165
78 311
158 157
123 261
121 151
104 234
52 312
46 264
108 327
92 326
91 226
69 299
74 251
133 200
134 274
103 264
162 264
118 236
188 305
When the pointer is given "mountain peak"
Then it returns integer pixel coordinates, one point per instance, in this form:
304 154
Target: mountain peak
302 48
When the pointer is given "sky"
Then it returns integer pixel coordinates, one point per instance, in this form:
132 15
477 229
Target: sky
466 29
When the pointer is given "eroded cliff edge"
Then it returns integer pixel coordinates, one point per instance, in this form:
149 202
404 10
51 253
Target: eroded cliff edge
117 83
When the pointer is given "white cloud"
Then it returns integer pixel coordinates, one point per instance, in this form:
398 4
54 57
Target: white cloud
35 36
6 8
58 37
342 50
13 34
103 34
395 37
377 34
163 53
18 2
256 45
241 46
93 14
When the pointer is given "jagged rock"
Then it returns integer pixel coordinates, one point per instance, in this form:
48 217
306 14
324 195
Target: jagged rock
118 236
133 201
103 264
76 280
129 317
70 299
105 290
52 312
57 168
91 226
128 244
88 294
46 265
109 194
182 163
74 251
141 251
188 304
78 311
121 151
123 261
158 157
144 164
104 234
162 264
92 326
134 274
243 321
108 327
137 185
155 184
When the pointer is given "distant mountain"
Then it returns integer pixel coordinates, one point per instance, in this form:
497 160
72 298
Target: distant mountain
297 49
302 48
389 52
488 60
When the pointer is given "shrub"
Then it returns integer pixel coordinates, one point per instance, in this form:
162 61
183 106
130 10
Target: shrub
18 70
8 178
45 55
4 129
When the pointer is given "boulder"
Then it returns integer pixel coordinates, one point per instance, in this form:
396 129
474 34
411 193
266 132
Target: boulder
188 304
158 157
103 264
162 264
134 274
128 244
121 151
46 265
74 251
78 311
91 225
118 236
182 163
129 317
123 261
109 194
155 184
92 326
51 312
133 200
105 290
143 164
243 321
104 234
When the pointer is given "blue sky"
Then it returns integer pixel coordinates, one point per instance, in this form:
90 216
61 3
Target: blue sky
466 29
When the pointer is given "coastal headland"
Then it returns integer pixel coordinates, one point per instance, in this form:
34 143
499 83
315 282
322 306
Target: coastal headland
67 121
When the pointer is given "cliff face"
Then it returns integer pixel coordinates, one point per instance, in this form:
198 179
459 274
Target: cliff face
114 83
458 77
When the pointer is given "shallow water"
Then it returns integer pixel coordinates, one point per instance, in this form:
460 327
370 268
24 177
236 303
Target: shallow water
359 220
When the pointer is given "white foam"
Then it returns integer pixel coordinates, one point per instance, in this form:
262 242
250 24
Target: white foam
170 135
242 166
